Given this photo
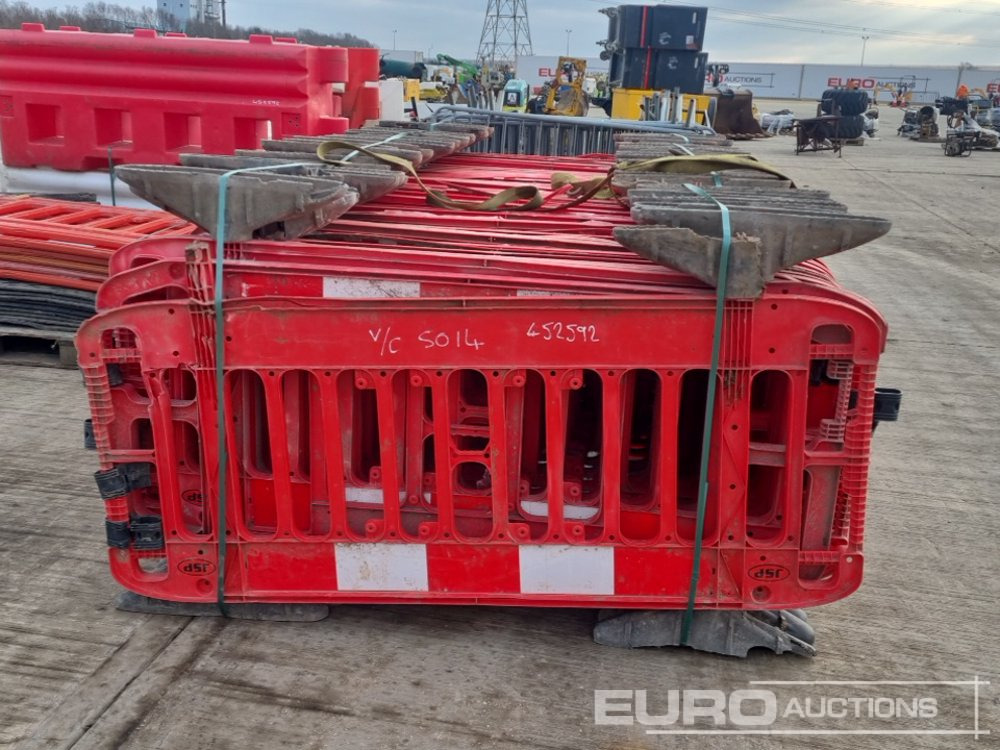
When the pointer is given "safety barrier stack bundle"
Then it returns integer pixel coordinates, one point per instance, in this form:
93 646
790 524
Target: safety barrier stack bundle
76 100
54 254
418 412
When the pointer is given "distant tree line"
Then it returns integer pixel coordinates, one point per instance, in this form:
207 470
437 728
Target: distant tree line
108 17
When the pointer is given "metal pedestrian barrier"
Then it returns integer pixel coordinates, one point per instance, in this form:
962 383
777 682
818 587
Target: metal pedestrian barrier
551 135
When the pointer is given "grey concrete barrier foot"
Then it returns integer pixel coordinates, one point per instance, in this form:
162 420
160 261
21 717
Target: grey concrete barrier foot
729 632
128 601
686 237
269 205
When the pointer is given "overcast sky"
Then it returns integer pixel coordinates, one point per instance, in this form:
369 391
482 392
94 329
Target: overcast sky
932 32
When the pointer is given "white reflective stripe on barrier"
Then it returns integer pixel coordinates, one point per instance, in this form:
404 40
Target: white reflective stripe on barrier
566 569
382 567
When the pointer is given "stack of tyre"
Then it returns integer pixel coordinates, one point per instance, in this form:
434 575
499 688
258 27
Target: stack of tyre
850 105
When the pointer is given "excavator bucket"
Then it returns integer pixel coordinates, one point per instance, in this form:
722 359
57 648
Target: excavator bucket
734 113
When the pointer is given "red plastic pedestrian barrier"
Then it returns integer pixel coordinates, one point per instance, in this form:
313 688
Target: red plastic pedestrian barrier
68 244
164 268
361 92
67 96
516 449
440 407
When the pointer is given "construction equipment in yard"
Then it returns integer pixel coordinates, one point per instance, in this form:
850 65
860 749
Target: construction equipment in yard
733 112
469 407
515 95
819 134
566 96
463 70
630 104
920 123
654 50
677 108
656 47
389 68
729 112
966 135
476 84
656 61
900 91
959 143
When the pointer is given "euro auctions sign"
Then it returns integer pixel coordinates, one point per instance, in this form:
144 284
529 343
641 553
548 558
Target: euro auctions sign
749 708
873 83
865 83
818 707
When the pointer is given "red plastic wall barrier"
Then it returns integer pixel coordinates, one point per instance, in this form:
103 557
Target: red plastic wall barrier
68 96
361 94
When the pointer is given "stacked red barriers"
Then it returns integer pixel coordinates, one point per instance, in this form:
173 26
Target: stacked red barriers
416 413
68 244
68 96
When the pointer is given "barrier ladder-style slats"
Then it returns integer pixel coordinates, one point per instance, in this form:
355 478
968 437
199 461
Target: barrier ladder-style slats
410 471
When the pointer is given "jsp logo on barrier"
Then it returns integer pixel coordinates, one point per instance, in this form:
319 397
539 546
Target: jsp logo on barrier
196 566
824 707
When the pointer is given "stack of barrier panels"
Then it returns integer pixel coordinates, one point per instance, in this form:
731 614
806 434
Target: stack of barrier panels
421 409
54 254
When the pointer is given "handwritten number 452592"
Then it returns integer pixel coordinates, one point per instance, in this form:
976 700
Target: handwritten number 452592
568 332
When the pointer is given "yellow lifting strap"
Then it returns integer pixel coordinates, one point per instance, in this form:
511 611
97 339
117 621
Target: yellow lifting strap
580 190
700 164
529 193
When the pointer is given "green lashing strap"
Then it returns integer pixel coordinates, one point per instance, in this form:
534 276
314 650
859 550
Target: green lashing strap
220 368
706 435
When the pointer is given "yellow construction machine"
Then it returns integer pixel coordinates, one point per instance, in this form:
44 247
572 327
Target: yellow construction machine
565 95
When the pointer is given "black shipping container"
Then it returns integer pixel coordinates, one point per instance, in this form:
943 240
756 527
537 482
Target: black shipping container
675 27
683 70
625 26
633 69
659 69
611 43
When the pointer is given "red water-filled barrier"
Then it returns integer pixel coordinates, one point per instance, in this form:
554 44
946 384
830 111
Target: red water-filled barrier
427 413
68 96
361 94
